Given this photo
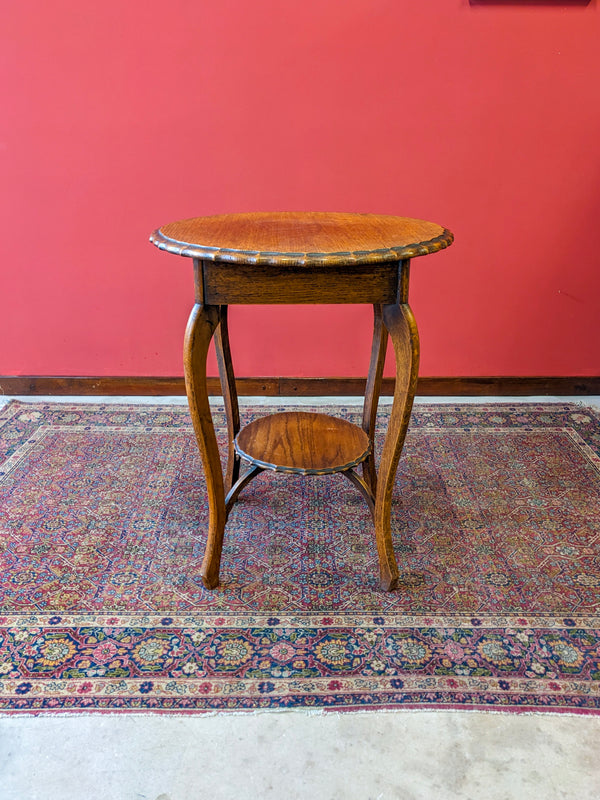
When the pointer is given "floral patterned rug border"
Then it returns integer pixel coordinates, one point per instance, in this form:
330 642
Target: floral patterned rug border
264 641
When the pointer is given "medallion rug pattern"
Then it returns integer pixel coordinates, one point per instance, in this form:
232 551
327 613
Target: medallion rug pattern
496 521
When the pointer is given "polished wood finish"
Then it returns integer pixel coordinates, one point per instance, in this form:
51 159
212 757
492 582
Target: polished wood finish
372 393
201 326
250 284
230 400
401 326
363 488
155 386
302 258
302 442
242 481
302 238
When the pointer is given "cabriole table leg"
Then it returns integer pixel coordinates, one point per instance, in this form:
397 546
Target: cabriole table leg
201 326
372 391
401 325
230 399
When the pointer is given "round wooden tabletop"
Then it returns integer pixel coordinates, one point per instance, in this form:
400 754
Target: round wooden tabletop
302 238
302 442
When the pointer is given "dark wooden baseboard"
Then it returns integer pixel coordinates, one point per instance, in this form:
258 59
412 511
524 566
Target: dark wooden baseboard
302 387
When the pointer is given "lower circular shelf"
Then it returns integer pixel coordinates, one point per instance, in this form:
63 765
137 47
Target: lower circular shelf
302 442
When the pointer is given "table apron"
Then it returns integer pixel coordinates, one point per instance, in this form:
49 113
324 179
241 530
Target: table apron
224 283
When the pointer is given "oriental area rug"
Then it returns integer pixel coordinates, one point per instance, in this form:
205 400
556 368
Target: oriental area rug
496 521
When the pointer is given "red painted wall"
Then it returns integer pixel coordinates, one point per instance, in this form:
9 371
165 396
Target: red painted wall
120 116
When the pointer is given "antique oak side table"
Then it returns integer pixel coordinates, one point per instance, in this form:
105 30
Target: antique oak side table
301 258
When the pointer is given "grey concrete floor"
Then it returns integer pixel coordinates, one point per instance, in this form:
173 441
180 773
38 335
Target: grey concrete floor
370 756
295 754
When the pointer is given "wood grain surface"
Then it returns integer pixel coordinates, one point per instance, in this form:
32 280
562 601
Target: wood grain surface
203 322
302 238
303 442
402 329
372 393
269 386
226 283
230 399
